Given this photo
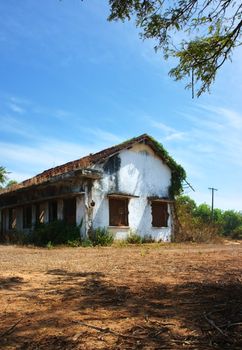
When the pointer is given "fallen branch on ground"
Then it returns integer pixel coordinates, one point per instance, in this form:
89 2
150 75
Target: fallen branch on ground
212 323
108 330
231 325
11 329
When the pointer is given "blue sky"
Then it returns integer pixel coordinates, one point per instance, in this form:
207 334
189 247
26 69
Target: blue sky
72 83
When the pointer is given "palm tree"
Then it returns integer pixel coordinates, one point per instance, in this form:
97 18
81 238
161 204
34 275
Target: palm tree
3 175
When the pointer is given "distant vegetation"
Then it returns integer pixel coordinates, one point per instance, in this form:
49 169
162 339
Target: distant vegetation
4 181
197 224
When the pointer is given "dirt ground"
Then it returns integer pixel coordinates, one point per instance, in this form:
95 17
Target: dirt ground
135 297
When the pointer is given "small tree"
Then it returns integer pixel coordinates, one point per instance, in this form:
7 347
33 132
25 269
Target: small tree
187 202
203 211
230 221
3 176
4 183
195 224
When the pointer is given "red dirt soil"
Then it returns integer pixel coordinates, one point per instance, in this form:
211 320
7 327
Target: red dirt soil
136 297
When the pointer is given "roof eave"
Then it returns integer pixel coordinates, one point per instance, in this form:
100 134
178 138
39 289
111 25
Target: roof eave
87 173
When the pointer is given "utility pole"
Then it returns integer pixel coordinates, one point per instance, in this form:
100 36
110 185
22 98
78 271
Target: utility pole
212 189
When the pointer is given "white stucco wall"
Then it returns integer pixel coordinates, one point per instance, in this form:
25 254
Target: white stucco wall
141 173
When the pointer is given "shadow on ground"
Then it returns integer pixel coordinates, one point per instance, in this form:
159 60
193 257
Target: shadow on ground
89 311
10 283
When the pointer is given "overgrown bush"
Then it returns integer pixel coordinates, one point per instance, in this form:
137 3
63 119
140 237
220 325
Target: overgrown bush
56 232
86 243
100 236
134 238
192 228
237 233
74 243
82 242
231 220
199 224
147 239
15 237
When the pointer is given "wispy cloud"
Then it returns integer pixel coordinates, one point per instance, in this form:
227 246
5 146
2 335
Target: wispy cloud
12 125
15 108
104 135
45 151
169 132
218 130
222 115
18 105
21 160
57 113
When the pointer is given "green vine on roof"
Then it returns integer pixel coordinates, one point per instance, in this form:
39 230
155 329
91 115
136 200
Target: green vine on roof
178 174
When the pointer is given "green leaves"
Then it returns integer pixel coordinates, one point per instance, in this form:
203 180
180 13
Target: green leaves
4 178
209 31
202 58
3 175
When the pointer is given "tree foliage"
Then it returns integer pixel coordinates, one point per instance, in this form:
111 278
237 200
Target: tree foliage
231 221
3 175
192 227
4 178
10 183
209 30
196 222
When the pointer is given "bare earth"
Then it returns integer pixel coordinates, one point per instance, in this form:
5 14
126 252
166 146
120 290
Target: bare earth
136 297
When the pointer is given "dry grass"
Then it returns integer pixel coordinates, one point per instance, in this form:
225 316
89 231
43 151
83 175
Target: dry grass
138 297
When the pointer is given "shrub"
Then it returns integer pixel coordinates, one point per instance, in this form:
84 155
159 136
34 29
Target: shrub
237 233
15 237
74 243
148 239
49 245
56 232
134 238
100 236
86 243
192 228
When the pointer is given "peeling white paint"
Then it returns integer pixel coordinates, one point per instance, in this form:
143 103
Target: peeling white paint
141 174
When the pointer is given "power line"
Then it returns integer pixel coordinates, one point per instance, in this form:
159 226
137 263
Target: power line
212 210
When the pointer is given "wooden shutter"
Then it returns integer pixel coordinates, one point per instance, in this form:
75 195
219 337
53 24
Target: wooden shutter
118 212
159 214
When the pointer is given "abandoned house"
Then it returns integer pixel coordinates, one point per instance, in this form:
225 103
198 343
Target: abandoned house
126 188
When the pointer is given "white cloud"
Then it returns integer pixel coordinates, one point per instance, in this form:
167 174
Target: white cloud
218 131
22 160
104 135
45 152
234 119
169 132
16 108
12 125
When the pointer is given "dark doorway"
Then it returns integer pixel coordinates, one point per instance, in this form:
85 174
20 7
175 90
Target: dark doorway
70 211
27 216
53 211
